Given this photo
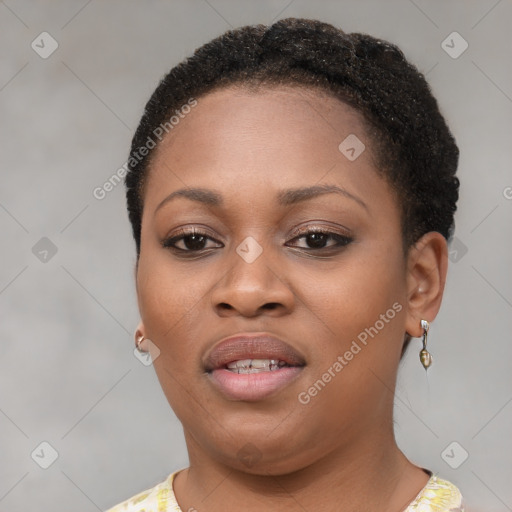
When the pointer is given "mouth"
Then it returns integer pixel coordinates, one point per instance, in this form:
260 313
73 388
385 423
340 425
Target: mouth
251 367
248 366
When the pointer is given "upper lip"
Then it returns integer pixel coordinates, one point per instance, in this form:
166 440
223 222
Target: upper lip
251 346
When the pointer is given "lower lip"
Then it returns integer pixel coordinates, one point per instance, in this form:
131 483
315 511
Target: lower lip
253 386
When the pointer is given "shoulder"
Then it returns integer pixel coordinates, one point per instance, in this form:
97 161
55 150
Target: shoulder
156 499
438 495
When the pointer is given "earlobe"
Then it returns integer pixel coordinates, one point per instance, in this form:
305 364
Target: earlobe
140 338
427 266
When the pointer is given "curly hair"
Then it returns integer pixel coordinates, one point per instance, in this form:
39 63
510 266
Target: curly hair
414 148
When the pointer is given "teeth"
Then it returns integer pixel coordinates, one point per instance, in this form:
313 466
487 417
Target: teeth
255 365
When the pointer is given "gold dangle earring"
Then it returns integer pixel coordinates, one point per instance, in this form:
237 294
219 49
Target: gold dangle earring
425 356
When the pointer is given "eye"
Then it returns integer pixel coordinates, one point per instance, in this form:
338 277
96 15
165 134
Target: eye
193 239
317 237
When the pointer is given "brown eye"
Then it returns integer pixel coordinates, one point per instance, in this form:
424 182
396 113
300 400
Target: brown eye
192 241
316 239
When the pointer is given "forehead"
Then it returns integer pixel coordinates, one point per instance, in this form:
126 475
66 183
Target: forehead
292 113
252 142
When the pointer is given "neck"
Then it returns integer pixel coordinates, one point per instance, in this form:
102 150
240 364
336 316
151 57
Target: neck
373 468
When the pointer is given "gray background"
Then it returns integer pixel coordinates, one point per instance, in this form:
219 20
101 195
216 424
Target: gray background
68 375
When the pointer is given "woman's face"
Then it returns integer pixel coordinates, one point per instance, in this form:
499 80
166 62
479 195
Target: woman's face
337 298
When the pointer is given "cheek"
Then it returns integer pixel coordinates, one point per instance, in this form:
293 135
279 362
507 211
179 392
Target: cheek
362 304
352 296
169 303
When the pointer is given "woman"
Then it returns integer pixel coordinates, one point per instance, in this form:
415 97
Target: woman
291 191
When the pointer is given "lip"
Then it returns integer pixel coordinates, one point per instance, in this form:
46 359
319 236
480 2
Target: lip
251 346
254 386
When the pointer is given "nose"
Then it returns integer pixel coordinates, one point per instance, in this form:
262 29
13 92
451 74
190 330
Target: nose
250 286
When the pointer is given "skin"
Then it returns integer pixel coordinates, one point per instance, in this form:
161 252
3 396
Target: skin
326 454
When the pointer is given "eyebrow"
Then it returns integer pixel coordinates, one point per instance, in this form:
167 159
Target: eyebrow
285 197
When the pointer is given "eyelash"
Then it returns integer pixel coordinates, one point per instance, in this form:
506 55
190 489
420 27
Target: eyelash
342 240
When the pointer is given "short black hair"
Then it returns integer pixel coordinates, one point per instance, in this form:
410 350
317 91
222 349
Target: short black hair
415 150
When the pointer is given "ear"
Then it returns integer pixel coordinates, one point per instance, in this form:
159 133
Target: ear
141 331
135 271
427 266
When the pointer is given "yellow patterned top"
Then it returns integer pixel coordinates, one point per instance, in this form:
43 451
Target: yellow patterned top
437 496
